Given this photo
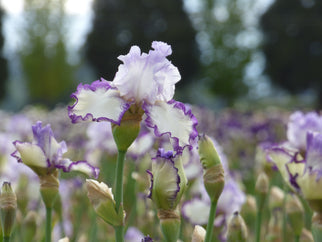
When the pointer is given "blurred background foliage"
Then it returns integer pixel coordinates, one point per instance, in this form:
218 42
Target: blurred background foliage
229 52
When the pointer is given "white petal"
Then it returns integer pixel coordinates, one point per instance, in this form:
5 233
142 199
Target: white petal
32 155
98 102
172 118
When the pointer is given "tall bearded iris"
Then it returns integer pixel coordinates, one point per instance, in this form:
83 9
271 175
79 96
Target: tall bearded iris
144 83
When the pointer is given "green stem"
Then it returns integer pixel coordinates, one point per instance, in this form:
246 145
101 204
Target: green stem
48 224
119 192
258 226
211 219
284 225
297 238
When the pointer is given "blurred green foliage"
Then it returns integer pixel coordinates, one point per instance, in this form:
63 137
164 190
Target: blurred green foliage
293 45
3 61
43 53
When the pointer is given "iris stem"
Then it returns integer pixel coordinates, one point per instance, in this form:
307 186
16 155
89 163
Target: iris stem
48 224
211 220
119 230
284 225
297 238
258 226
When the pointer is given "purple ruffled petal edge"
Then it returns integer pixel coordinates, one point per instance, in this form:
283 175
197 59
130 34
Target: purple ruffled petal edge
167 157
102 83
187 112
95 170
151 185
14 154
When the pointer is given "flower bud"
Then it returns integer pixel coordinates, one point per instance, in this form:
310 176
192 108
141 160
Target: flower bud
237 229
49 188
207 152
261 189
30 226
249 210
8 207
103 202
214 175
198 234
276 198
125 133
295 214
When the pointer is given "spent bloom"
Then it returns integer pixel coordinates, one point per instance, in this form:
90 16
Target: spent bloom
45 154
143 84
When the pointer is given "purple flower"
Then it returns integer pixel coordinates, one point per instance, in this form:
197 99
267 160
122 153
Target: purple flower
45 154
145 81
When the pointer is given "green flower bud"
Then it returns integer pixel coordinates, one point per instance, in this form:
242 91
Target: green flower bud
125 133
8 207
276 198
103 202
237 229
214 175
30 226
261 189
170 224
295 214
198 234
49 188
207 152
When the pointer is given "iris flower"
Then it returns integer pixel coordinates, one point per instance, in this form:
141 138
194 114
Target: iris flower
302 174
44 155
144 83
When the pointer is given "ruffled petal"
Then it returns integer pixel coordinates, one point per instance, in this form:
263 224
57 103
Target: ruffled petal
172 118
147 77
80 166
98 102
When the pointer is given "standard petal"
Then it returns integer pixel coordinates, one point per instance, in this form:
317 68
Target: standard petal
172 118
98 102
147 77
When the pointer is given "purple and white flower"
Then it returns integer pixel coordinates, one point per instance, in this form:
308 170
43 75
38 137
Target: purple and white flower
146 80
303 174
45 154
